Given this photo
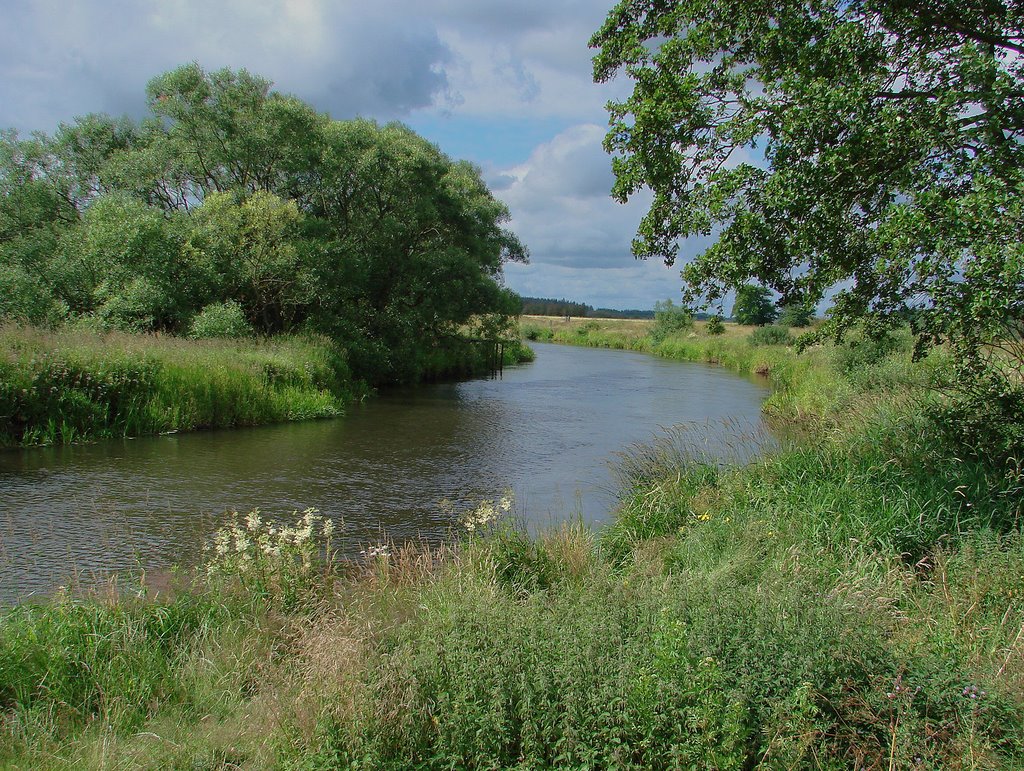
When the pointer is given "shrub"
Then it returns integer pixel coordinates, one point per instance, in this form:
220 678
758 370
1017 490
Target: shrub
862 351
669 319
772 335
534 332
796 314
25 298
141 305
225 319
715 325
984 418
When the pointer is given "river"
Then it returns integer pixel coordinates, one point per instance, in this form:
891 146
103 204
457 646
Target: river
548 431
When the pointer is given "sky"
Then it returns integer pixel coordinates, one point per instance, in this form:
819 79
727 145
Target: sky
506 84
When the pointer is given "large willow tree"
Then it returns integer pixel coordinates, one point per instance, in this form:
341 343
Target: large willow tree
233 195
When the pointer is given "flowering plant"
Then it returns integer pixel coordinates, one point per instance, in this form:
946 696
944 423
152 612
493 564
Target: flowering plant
277 562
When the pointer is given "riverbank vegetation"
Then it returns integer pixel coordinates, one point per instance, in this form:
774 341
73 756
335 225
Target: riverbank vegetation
234 211
851 600
67 386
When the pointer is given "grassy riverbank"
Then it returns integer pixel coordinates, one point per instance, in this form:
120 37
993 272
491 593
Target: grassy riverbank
66 386
852 601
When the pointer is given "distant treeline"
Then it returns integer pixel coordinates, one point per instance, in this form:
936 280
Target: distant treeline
544 306
611 313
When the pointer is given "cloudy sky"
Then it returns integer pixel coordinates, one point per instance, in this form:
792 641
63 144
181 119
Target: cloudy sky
504 83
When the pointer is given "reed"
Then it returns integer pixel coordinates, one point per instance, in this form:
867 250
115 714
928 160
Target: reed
66 386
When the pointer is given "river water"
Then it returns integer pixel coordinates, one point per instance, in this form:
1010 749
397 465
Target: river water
548 431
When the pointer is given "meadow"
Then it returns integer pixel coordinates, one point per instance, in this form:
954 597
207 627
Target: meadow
852 600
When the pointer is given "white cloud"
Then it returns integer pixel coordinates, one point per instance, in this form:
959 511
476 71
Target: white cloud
58 60
578 236
561 206
384 59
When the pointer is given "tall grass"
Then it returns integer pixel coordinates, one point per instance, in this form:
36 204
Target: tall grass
66 386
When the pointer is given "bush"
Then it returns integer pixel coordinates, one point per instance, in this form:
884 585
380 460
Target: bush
984 418
715 325
772 335
221 320
859 352
796 314
534 332
139 306
669 319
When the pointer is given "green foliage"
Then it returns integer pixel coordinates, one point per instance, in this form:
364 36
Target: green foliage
893 163
715 325
404 216
68 386
26 299
233 193
124 257
534 332
225 319
669 319
796 314
984 419
771 335
753 306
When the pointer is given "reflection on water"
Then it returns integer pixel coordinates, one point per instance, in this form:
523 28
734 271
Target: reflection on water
546 430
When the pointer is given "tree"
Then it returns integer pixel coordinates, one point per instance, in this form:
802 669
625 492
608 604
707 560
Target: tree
227 130
670 319
874 146
414 243
796 314
753 306
251 252
123 263
232 198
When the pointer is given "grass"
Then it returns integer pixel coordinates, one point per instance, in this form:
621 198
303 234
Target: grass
853 600
67 386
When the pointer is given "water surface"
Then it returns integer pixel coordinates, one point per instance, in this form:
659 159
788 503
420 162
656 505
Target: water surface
547 430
